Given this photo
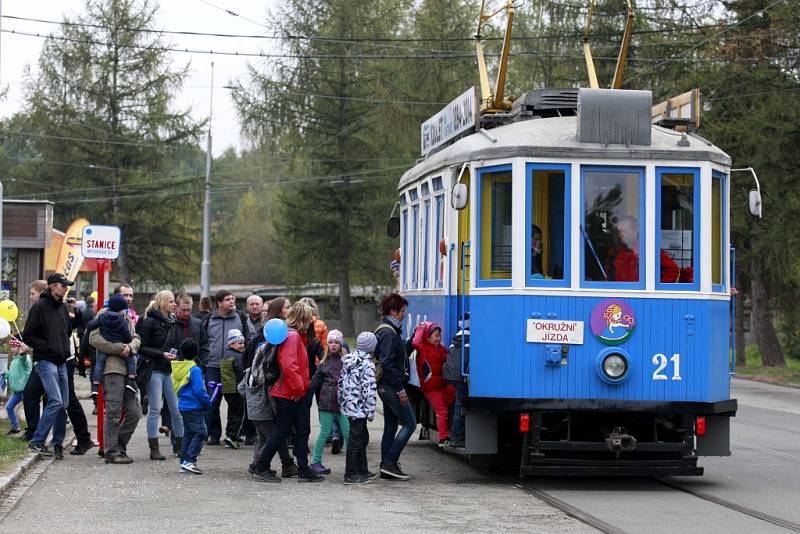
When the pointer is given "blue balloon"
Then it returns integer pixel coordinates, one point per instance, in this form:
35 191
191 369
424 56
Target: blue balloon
275 331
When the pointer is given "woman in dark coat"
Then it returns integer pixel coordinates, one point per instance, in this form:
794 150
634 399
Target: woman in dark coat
153 329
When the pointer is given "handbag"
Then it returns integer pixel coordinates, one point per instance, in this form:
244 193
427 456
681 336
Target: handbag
413 375
18 373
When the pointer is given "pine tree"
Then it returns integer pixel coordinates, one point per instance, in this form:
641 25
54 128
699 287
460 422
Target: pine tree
101 106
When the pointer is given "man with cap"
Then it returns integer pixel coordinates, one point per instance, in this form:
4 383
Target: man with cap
47 332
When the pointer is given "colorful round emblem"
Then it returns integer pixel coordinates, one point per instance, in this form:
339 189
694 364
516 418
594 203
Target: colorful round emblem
613 321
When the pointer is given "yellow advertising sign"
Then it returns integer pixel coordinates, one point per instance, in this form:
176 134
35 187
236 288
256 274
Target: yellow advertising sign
70 257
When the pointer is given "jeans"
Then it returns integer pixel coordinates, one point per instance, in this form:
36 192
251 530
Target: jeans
356 454
11 404
264 430
122 414
326 420
394 413
56 387
288 414
32 402
158 389
457 425
213 421
194 434
75 410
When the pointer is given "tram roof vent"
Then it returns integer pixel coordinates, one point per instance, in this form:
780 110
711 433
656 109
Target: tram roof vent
614 116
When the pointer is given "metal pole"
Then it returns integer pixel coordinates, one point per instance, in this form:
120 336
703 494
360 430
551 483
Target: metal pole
205 266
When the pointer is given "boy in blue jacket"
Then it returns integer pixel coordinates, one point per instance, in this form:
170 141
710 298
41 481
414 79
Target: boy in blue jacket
193 401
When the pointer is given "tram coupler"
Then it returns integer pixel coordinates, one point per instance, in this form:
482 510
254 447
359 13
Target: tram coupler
619 440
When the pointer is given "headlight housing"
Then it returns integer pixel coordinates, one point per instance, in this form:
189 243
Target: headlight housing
613 365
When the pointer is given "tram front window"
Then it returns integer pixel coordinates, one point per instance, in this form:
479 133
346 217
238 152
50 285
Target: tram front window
611 226
495 226
677 251
547 225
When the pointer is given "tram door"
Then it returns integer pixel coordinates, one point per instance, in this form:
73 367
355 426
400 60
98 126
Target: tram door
464 250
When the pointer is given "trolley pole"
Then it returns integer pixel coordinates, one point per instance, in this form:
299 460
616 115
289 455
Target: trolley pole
205 266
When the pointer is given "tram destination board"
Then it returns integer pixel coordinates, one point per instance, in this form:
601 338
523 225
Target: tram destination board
554 331
457 117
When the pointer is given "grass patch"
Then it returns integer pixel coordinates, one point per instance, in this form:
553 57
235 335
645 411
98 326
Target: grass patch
789 375
12 448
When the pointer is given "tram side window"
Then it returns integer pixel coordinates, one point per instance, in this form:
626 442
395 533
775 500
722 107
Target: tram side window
439 237
717 204
404 249
612 225
414 246
677 254
547 225
495 226
426 247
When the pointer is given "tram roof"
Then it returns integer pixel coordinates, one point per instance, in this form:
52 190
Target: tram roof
555 137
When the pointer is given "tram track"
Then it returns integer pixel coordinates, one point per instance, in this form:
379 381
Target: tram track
784 523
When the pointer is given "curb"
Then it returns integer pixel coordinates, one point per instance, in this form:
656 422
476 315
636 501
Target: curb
760 381
22 467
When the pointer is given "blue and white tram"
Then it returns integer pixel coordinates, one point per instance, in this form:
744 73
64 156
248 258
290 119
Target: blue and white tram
592 253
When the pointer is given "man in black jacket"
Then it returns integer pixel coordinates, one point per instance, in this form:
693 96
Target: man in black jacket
47 332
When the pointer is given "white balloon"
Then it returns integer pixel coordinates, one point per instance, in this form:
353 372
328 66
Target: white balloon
5 328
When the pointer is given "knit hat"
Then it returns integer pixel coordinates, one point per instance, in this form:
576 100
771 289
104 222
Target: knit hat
235 336
366 342
117 303
463 321
189 349
335 335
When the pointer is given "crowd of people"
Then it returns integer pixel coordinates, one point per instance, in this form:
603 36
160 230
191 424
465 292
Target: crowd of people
177 368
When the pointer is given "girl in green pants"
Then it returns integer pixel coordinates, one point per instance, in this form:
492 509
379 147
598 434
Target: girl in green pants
325 384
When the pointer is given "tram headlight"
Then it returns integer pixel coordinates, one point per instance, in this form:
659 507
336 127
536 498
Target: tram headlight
615 366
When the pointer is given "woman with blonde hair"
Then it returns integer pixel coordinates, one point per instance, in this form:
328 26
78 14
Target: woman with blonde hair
289 394
153 329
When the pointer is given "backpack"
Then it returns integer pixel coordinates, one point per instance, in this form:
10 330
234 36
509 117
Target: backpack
265 369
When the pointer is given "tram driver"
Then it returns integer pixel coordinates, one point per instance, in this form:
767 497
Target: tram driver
622 262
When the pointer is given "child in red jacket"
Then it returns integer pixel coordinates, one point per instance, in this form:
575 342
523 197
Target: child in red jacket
431 356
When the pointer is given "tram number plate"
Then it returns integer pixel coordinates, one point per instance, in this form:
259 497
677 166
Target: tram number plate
555 331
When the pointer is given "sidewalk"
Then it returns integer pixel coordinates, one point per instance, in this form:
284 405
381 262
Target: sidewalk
82 494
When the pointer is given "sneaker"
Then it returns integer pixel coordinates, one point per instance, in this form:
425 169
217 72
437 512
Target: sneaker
191 467
309 476
319 469
289 471
357 480
131 385
231 443
13 431
266 476
212 442
40 449
457 444
336 446
444 442
370 475
393 472
58 452
95 388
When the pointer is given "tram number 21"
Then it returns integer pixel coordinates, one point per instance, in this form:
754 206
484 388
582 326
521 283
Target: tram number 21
661 362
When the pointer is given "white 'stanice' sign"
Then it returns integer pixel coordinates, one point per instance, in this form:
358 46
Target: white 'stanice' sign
555 331
458 116
101 242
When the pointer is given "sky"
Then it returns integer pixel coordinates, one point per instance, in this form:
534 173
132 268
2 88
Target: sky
17 51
